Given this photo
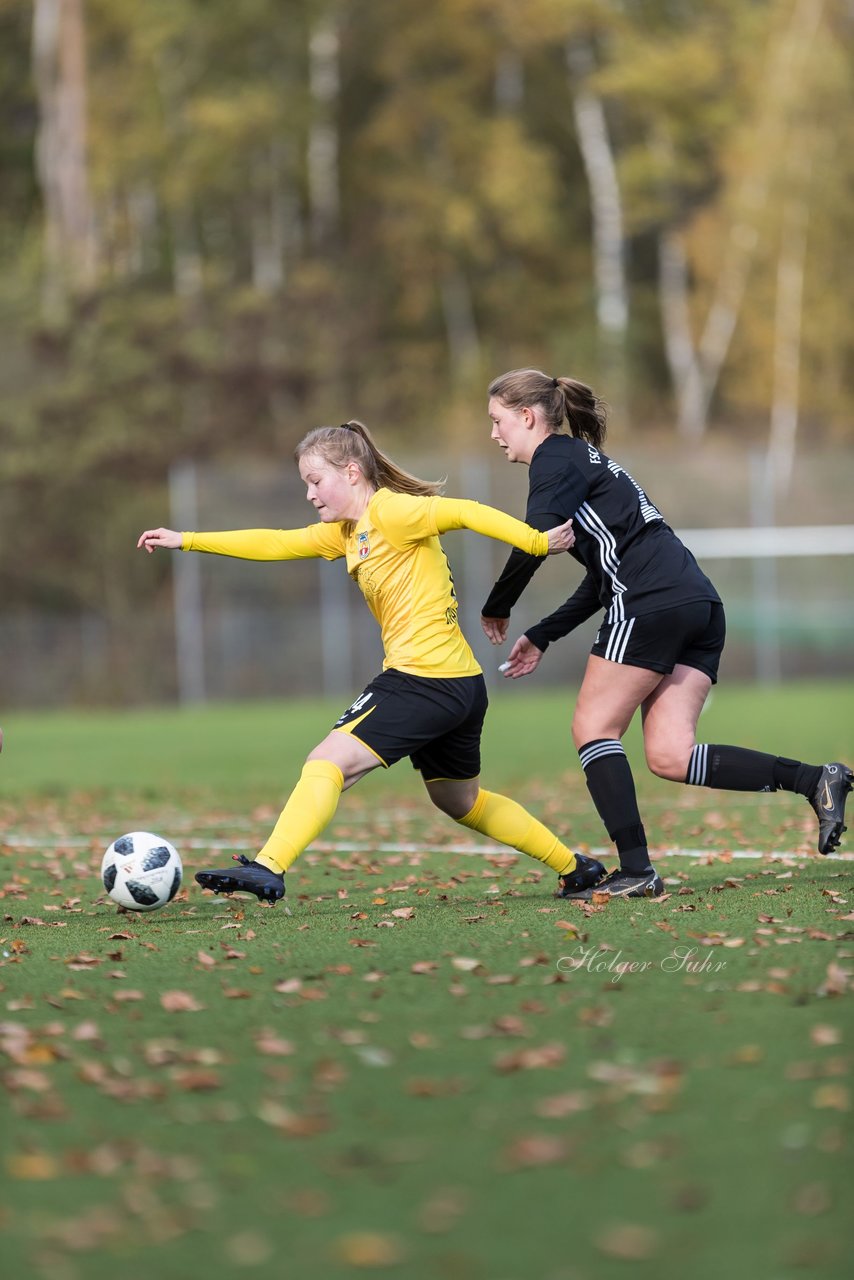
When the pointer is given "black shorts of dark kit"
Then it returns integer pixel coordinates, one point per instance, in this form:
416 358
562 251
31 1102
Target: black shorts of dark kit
438 723
690 634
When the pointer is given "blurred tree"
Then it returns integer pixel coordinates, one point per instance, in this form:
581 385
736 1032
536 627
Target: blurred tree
59 74
254 218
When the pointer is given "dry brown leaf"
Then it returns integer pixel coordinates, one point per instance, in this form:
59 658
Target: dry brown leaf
249 1249
531 1059
197 1079
563 1104
434 1087
832 1097
268 1042
822 1034
32 1166
747 1055
180 1002
82 961
26 1078
535 1150
835 982
368 1249
628 1240
439 1213
288 985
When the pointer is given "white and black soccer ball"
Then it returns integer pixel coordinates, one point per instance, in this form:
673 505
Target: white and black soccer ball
141 871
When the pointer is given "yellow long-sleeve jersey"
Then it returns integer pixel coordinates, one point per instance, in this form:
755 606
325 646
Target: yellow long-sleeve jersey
394 554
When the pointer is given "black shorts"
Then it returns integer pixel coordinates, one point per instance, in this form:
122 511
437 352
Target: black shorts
690 634
436 722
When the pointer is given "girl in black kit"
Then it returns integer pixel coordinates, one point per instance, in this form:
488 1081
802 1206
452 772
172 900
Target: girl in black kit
659 643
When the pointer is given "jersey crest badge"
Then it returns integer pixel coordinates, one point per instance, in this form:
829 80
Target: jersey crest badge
363 546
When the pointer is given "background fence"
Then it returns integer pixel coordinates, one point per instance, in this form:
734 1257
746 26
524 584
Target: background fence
235 629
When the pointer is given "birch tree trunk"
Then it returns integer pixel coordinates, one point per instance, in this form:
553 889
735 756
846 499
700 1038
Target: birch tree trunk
59 73
787 343
461 328
612 306
268 230
324 87
682 357
509 81
695 379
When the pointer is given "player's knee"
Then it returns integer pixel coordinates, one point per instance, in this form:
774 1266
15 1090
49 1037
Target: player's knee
582 730
453 798
452 808
590 728
667 759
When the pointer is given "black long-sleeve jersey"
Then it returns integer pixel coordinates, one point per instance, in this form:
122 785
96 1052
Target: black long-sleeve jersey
635 563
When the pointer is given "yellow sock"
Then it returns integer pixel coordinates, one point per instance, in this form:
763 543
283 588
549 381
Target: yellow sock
505 820
311 806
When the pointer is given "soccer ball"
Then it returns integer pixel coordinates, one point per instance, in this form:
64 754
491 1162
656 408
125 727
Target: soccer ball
141 871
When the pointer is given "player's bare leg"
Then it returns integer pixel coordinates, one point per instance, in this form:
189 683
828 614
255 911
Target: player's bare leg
335 764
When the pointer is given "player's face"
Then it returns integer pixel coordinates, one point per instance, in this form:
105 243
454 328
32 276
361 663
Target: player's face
511 429
330 490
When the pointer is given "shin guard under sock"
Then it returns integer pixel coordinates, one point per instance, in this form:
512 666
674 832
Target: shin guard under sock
739 769
310 807
503 819
612 790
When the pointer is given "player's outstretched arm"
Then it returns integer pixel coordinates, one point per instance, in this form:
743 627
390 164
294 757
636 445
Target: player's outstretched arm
153 538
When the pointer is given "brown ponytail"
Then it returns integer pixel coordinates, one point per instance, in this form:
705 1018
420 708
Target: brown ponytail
561 399
352 442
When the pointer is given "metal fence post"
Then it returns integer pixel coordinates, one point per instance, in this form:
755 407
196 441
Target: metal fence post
765 599
187 588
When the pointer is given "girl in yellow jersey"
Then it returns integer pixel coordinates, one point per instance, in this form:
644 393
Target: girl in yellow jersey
430 700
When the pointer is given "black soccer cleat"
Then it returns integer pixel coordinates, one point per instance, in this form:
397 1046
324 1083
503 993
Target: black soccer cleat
625 884
249 877
828 801
588 872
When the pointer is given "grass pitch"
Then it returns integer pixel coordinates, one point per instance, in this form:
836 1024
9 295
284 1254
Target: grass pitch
429 1067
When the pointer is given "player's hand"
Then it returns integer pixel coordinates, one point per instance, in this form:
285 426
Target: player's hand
495 629
524 658
160 538
561 538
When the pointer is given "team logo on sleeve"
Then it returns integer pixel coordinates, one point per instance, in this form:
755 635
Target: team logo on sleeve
363 546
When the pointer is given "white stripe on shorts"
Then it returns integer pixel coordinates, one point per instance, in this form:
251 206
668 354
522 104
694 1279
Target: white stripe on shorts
615 651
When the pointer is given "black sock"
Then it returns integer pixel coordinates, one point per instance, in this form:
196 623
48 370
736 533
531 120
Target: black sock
612 790
737 769
807 778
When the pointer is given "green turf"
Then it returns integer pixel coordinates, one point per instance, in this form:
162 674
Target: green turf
473 1089
255 748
